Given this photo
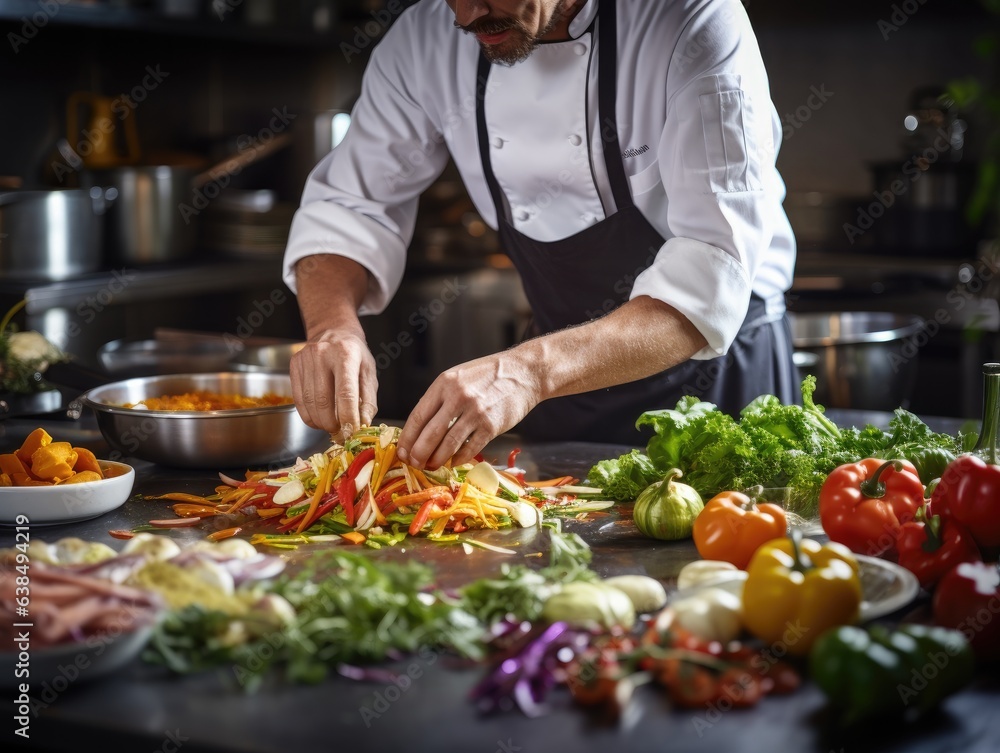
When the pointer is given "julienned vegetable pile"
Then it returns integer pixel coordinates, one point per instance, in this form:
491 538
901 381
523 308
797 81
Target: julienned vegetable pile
771 445
362 492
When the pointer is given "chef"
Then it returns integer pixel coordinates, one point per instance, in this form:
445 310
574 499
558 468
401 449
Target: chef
625 151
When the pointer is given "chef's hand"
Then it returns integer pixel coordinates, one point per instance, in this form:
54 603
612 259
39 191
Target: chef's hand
465 408
334 382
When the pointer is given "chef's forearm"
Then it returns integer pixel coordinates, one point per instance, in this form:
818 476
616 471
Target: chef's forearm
330 289
641 338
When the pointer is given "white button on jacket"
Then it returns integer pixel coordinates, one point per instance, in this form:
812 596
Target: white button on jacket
699 138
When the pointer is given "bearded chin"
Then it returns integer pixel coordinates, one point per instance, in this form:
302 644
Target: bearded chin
520 46
515 50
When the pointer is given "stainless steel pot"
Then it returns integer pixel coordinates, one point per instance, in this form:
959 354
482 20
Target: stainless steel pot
155 217
248 438
923 206
863 360
52 234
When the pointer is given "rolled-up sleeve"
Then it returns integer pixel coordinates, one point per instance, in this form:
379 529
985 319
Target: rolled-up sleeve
716 154
360 201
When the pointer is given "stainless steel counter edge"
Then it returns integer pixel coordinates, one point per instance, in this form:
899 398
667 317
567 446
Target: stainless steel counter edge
128 284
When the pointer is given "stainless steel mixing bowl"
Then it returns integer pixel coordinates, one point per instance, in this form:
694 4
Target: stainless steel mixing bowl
863 360
250 438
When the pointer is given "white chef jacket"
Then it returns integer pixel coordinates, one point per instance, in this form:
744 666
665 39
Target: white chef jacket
697 129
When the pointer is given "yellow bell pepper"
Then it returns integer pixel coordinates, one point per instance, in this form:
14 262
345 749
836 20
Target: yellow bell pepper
798 588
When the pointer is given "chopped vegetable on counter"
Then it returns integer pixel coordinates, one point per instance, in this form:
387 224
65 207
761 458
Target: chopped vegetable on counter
351 490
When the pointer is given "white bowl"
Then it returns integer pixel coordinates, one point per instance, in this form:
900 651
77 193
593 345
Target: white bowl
66 503
69 664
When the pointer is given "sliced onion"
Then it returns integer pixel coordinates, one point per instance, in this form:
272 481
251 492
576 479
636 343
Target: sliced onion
364 475
229 480
571 489
261 567
526 515
291 491
484 477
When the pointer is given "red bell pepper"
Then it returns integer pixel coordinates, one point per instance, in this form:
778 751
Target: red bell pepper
968 599
862 505
930 546
974 498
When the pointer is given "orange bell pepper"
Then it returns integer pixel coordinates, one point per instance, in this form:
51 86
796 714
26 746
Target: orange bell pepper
733 526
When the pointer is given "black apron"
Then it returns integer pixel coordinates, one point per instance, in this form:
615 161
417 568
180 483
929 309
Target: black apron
576 279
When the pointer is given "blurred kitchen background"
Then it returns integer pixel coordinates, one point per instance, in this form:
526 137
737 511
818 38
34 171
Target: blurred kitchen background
178 214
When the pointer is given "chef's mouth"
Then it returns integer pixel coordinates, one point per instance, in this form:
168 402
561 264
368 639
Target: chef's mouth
492 39
489 31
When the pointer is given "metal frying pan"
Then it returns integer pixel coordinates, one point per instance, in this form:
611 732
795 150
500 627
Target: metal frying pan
273 359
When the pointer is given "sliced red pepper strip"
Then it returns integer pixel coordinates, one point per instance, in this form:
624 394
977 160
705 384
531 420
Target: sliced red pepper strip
327 504
346 492
359 462
512 458
384 499
425 510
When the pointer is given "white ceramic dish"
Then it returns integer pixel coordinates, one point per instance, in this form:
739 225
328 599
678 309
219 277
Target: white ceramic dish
885 586
52 505
70 664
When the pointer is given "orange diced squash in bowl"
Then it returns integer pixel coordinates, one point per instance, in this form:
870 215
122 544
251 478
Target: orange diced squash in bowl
54 461
87 461
32 443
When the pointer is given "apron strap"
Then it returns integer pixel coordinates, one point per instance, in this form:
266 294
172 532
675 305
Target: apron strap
607 78
499 200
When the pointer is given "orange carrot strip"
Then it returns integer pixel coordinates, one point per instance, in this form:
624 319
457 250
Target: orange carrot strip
181 497
354 537
422 496
465 512
271 513
421 478
387 460
188 510
225 533
561 481
323 483
241 500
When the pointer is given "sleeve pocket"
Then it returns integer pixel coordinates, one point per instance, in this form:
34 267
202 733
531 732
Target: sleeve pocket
733 161
645 180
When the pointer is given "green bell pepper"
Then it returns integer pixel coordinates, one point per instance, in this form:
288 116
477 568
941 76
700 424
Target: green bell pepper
878 672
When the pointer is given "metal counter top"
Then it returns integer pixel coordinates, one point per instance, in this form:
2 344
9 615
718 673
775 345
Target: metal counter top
143 709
